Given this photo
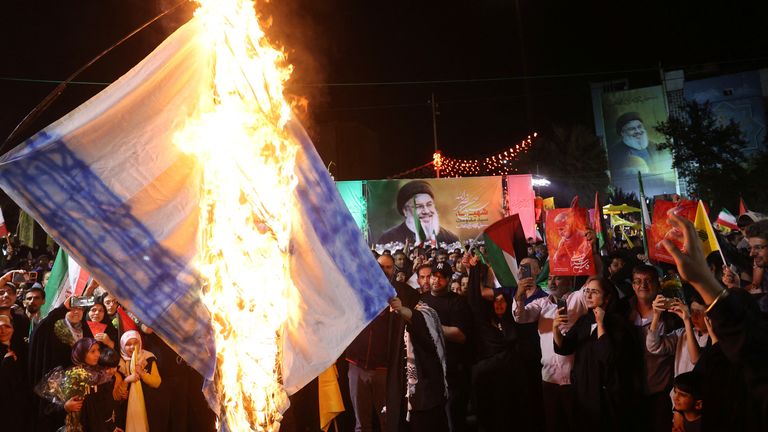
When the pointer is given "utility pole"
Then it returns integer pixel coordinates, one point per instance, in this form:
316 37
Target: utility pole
434 130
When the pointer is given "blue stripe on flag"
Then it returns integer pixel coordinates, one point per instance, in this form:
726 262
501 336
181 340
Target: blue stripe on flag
81 213
337 230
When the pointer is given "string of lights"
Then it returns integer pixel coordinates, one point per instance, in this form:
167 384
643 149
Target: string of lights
502 163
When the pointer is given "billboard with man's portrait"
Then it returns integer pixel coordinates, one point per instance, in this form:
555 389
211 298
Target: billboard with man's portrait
448 209
630 118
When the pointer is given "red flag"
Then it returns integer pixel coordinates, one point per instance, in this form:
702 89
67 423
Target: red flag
742 207
538 205
3 229
597 222
125 321
96 327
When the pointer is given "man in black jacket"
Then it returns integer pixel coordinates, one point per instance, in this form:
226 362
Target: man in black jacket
416 386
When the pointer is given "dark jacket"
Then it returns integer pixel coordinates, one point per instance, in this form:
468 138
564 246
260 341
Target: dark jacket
430 389
15 396
606 372
743 337
369 350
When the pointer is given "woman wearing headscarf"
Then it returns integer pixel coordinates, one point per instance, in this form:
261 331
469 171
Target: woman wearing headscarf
14 393
500 371
51 346
98 411
607 364
100 324
137 367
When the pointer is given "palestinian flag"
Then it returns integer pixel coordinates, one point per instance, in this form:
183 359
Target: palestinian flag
505 245
726 220
742 206
597 222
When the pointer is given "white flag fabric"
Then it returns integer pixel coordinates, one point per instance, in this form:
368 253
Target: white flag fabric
108 184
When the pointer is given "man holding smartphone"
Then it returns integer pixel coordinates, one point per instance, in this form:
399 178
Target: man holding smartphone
557 393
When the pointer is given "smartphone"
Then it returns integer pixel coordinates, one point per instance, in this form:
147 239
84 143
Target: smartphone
668 303
525 271
562 304
82 301
19 278
33 276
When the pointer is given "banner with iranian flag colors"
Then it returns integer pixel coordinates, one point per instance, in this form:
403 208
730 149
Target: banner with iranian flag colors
661 229
570 253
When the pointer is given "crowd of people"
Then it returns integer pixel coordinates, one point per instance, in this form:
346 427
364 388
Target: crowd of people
639 346
88 364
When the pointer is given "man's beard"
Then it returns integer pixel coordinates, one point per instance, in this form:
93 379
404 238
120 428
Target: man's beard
431 229
636 143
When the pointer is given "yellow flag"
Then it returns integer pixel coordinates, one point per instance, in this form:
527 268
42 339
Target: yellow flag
548 203
626 237
705 231
329 397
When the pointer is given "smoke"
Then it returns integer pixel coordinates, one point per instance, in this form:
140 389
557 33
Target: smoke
291 26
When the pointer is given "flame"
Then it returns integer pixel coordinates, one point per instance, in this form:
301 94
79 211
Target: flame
239 137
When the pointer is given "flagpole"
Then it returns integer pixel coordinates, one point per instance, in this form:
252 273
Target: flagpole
52 96
644 212
719 248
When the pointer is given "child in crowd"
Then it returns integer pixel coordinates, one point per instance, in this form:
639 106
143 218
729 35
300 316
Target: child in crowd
687 403
137 367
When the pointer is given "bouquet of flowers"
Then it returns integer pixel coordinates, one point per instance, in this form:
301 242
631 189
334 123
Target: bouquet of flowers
61 385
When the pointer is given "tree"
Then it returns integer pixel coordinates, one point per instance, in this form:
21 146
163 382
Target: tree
707 153
618 196
573 159
753 188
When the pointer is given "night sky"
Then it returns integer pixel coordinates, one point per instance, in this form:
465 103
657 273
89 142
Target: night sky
369 68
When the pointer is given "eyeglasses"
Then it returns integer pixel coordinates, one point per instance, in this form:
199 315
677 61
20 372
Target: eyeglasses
756 248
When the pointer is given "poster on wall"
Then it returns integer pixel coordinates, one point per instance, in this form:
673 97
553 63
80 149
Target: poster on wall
446 210
630 118
569 250
661 229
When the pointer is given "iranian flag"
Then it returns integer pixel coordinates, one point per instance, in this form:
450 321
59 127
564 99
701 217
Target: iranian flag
727 220
505 245
3 228
67 278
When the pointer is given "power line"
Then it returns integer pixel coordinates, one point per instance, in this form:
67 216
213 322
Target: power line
448 81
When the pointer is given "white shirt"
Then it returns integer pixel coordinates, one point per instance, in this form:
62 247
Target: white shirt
556 369
658 343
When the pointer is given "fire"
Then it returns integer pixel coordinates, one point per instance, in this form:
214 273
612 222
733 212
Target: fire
239 136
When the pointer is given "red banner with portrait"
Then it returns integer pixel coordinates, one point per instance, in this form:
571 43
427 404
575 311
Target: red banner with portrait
661 229
570 253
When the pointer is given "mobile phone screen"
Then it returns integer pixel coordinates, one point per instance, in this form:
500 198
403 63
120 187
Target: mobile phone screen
525 271
561 303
